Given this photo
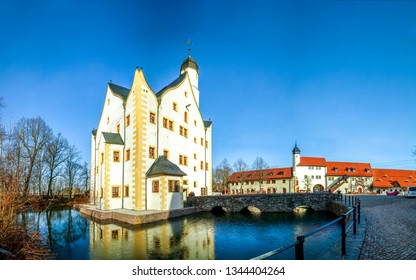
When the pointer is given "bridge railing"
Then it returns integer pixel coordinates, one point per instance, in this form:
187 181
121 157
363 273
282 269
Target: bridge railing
345 224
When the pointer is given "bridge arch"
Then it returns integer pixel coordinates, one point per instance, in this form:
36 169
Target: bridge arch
318 188
219 209
250 210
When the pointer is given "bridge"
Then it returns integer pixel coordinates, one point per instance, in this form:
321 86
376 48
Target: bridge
268 202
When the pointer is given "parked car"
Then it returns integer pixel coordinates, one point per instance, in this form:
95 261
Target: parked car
411 192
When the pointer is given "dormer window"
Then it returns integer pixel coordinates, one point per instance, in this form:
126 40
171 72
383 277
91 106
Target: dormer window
270 174
336 169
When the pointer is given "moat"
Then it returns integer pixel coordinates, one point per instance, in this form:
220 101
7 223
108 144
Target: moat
205 236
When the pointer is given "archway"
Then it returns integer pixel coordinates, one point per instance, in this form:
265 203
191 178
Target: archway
318 188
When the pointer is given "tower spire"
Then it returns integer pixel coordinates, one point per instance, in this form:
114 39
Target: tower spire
189 43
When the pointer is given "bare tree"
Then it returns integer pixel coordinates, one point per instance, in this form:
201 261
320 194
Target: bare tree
72 167
85 178
33 135
308 182
240 166
222 173
259 164
56 153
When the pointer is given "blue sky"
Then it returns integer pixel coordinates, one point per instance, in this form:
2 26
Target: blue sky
338 77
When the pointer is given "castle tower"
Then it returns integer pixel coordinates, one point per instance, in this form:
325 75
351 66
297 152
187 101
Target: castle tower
295 158
189 65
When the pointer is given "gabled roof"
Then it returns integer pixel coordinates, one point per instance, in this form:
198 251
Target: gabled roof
386 178
113 138
173 84
352 169
312 161
265 174
120 91
162 166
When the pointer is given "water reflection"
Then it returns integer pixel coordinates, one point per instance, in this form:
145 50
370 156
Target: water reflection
176 239
201 236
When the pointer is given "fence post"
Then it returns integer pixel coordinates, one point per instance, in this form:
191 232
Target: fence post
343 235
299 254
359 211
355 220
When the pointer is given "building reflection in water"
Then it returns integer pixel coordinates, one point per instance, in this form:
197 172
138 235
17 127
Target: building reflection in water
184 239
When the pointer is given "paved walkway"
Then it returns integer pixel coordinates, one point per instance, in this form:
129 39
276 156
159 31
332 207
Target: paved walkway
391 228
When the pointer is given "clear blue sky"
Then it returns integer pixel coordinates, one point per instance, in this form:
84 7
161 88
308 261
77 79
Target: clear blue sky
338 77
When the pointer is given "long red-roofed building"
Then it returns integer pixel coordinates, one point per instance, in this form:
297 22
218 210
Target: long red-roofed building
311 174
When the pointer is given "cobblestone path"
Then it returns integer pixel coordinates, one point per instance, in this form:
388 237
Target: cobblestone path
391 228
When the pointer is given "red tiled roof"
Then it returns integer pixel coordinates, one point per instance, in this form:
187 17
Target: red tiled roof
265 174
387 178
348 168
312 161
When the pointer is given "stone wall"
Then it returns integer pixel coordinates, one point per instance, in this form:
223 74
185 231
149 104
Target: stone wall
264 202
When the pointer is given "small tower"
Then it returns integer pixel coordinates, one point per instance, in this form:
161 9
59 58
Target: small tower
295 157
189 65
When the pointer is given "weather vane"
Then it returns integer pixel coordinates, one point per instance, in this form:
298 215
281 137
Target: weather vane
188 43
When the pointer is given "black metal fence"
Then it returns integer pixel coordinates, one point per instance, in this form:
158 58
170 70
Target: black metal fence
345 221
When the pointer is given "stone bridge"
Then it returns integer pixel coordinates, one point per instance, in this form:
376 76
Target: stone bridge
265 202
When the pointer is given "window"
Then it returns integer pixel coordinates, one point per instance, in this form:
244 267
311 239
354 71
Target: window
173 186
170 125
195 123
274 181
202 165
152 118
195 184
118 128
115 191
203 191
108 120
202 141
284 181
165 122
186 94
127 154
126 191
185 117
155 186
175 107
108 101
206 166
114 234
128 120
152 152
185 182
183 160
194 156
195 140
195 168
102 158
183 131
116 156
318 176
312 177
166 153
102 193
206 144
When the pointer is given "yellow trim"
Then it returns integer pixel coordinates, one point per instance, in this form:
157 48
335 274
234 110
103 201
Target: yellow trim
163 189
106 183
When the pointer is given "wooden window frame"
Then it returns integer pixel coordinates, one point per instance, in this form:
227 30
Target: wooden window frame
116 158
115 191
152 152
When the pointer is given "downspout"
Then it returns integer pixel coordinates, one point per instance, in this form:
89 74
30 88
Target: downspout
124 154
95 167
205 159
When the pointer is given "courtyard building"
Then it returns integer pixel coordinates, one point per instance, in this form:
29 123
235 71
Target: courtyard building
151 149
316 174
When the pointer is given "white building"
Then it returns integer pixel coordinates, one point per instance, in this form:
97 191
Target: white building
151 149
